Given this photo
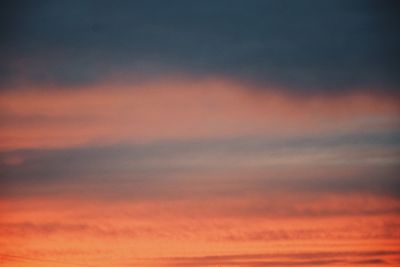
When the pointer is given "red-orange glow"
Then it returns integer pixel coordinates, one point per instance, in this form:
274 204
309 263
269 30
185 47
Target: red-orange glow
121 233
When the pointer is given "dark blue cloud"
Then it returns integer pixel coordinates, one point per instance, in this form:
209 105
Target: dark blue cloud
316 46
163 168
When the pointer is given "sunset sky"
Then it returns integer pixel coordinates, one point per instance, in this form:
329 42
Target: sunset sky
224 133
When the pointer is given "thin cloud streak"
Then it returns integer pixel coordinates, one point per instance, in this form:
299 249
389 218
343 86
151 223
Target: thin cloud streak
286 259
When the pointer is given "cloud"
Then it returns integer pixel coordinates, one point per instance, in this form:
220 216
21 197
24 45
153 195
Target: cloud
286 259
333 164
180 109
306 47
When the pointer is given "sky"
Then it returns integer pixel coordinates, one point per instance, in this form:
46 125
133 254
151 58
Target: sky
199 133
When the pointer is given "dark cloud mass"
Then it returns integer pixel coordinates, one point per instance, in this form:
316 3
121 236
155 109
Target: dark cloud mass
306 46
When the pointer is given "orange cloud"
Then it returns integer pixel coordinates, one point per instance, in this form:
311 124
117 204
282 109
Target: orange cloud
179 109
